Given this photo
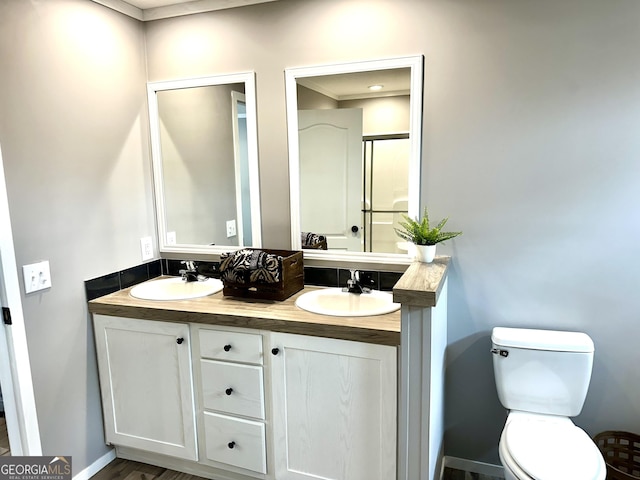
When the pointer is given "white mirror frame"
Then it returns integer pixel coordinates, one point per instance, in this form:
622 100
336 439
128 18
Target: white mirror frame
248 78
415 63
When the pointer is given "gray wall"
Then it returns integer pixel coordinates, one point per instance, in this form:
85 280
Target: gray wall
531 147
382 115
311 100
74 135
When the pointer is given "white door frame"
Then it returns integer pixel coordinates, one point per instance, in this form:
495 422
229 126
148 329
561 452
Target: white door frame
237 97
15 368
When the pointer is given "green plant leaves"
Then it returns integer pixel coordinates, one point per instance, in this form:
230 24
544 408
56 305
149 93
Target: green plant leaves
419 231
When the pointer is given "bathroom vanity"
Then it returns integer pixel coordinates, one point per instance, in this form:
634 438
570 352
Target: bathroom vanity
232 389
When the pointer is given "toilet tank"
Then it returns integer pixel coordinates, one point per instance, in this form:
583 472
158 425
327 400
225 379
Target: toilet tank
542 371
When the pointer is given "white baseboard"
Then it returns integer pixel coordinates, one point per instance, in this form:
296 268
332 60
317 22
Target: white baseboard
96 466
473 466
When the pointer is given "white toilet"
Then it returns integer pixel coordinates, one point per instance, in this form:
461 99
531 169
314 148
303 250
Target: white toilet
542 377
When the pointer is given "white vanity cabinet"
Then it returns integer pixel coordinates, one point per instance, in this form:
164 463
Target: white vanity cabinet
258 404
334 408
358 398
146 385
230 379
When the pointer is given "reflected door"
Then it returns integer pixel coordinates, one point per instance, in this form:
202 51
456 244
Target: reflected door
330 143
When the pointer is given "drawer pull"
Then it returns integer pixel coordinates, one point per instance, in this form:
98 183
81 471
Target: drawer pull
275 351
179 340
231 445
227 348
229 391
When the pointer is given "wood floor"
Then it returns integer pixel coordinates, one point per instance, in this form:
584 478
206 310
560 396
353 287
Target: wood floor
454 474
121 469
4 438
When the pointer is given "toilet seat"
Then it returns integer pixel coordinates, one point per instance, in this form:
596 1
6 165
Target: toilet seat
550 448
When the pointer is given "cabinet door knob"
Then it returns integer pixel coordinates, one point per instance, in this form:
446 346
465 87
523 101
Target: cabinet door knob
227 347
275 351
231 444
229 391
179 340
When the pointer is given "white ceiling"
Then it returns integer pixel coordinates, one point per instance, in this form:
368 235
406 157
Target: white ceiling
349 86
156 9
144 4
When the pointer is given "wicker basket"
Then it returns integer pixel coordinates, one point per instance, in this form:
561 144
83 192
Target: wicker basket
621 451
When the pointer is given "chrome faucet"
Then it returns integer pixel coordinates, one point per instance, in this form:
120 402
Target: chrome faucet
354 284
190 273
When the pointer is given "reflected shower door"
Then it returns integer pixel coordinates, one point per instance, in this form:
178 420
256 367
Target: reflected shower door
386 190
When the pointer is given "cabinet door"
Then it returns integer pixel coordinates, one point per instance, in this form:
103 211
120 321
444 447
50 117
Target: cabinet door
146 385
334 409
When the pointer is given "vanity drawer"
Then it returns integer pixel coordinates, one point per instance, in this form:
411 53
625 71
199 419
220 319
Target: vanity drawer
233 388
231 346
235 441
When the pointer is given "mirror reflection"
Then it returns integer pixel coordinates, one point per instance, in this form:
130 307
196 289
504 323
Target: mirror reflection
356 161
205 163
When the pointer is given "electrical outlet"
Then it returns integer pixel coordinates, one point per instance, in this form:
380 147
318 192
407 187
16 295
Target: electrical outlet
37 276
171 238
146 246
231 228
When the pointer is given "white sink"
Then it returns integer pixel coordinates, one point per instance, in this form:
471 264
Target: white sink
175 288
335 302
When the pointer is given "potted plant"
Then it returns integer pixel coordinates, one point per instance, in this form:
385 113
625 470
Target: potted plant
425 238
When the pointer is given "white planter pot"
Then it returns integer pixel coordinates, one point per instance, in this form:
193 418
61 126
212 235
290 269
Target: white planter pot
425 253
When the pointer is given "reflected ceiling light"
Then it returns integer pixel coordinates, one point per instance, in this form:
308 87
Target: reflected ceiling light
375 88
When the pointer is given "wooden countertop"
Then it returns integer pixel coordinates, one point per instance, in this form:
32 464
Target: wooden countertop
419 286
270 315
421 283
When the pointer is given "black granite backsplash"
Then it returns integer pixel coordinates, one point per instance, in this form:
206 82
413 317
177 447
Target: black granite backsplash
337 277
112 282
208 269
319 276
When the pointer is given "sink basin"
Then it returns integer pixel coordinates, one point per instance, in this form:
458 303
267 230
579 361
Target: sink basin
335 302
175 289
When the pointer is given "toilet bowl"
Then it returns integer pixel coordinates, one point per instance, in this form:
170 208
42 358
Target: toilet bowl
547 447
542 378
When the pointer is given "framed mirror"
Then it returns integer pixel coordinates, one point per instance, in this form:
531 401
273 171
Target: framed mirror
205 163
354 157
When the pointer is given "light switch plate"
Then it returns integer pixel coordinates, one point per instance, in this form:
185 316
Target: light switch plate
171 238
37 276
146 246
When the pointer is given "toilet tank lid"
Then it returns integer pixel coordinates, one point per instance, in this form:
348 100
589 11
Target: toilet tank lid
533 339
